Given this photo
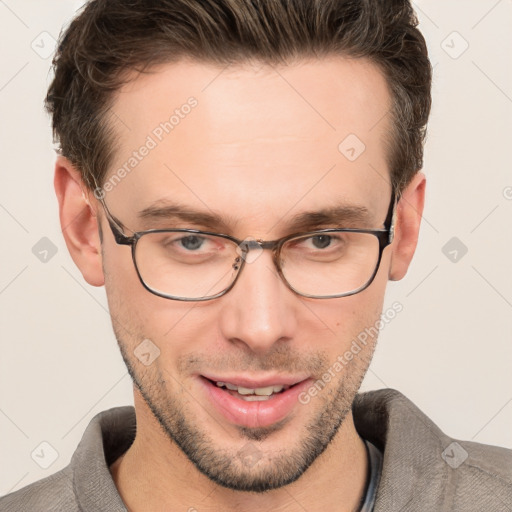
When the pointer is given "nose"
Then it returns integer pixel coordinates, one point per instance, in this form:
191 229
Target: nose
260 310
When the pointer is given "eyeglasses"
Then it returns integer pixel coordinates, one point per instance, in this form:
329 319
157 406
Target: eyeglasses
195 265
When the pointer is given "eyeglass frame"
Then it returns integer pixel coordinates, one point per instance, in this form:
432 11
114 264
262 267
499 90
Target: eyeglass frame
385 237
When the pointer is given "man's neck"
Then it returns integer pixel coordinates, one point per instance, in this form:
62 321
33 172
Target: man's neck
154 474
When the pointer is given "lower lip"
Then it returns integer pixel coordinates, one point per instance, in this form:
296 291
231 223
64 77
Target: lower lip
258 413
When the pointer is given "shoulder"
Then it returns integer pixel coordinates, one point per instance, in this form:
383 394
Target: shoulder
480 470
426 469
86 483
52 493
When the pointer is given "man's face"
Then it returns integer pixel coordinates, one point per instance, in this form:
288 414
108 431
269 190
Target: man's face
260 146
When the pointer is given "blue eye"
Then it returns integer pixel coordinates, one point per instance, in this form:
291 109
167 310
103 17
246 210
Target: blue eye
192 242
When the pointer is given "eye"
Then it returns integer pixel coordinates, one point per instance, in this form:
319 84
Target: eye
319 246
321 241
191 245
191 242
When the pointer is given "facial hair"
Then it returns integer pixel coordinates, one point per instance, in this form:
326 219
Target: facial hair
250 468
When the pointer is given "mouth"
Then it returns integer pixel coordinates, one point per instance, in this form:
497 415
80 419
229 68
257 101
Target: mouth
253 403
252 394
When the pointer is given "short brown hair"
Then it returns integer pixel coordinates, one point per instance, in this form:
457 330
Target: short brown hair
111 38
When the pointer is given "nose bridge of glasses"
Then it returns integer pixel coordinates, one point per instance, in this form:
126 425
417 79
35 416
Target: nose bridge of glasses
258 244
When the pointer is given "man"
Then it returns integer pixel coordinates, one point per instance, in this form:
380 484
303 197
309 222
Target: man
244 178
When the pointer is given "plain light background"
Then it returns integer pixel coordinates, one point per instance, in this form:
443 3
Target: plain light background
449 350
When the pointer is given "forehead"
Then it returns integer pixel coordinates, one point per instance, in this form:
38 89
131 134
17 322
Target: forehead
258 142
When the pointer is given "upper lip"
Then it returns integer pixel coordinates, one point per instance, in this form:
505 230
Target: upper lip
260 382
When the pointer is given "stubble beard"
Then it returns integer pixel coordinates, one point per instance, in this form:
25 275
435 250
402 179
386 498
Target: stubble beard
250 468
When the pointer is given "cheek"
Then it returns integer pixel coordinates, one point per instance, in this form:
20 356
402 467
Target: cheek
131 306
137 314
351 335
339 320
346 317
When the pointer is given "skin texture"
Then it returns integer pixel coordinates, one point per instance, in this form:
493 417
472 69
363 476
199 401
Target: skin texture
260 146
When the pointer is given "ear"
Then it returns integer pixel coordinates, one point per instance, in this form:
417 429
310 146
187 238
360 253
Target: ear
407 226
78 222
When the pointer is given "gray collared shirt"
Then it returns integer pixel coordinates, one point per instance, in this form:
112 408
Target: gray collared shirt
423 470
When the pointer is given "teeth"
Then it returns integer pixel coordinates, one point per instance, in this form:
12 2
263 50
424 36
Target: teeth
266 391
244 391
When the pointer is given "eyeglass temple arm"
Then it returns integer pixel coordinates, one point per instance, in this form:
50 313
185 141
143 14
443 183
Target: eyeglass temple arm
391 217
116 226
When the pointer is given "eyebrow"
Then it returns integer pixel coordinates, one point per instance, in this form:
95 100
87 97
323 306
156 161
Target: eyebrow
355 216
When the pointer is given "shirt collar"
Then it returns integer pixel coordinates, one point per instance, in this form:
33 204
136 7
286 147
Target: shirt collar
410 442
